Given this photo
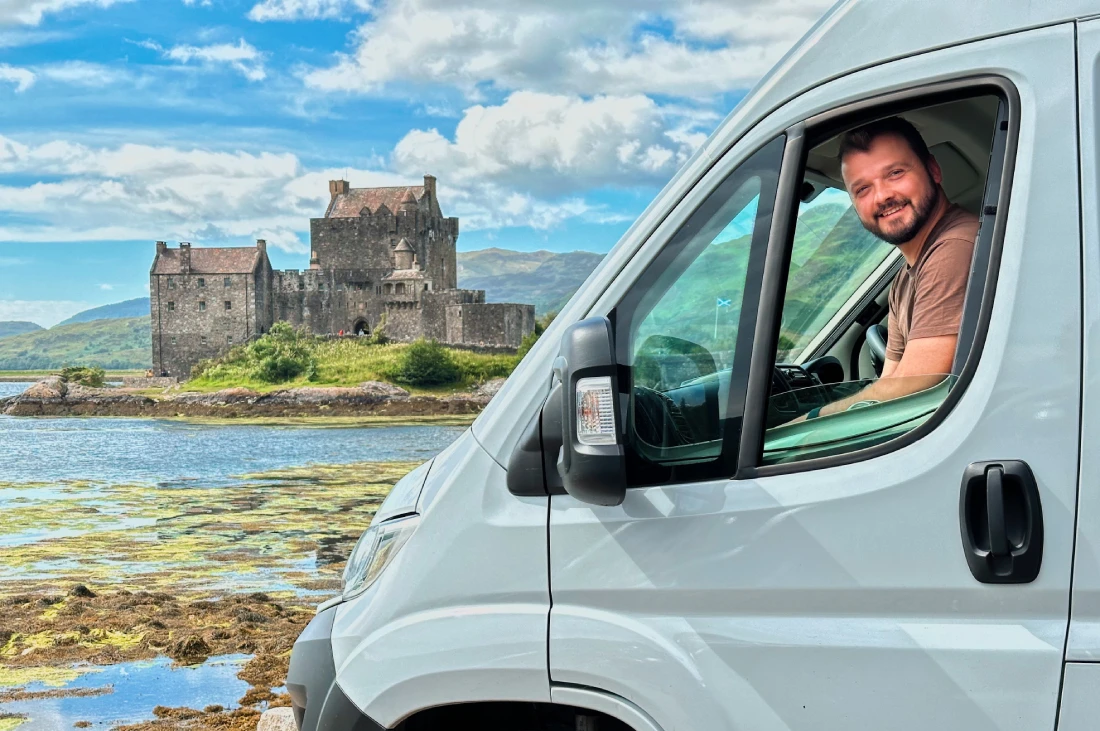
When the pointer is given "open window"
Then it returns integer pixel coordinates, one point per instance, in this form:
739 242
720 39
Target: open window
771 301
831 341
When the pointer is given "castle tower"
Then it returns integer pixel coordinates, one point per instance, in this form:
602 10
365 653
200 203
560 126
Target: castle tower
404 255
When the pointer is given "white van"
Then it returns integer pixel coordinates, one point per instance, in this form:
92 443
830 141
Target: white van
634 534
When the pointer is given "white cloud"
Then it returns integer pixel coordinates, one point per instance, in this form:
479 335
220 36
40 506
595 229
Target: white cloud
106 287
713 46
46 313
82 73
146 192
30 12
242 57
550 144
22 78
269 10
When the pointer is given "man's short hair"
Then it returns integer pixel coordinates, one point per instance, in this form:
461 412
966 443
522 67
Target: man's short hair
860 139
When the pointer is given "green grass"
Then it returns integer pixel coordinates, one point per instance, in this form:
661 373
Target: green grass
349 362
109 344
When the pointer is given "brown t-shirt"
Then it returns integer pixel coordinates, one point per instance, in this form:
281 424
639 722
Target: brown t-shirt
926 299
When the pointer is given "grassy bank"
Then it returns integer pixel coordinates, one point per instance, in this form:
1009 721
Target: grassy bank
348 362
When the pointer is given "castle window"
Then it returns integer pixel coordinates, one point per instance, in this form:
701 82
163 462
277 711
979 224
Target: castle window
202 305
228 339
320 286
171 282
171 306
401 288
202 282
227 282
173 340
425 286
228 305
301 283
202 340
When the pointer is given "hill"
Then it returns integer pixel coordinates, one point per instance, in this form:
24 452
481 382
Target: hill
17 327
130 308
542 278
113 344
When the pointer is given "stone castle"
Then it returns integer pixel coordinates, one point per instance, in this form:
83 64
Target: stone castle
378 255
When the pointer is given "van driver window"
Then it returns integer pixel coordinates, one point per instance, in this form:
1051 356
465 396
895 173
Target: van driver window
678 328
887 224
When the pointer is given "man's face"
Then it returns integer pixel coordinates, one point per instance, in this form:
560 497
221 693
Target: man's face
893 191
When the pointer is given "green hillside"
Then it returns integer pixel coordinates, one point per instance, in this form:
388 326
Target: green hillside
112 344
17 327
541 278
130 308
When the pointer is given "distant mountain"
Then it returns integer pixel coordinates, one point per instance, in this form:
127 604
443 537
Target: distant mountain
130 308
15 327
542 278
114 344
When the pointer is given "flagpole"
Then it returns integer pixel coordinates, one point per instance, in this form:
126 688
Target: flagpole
716 322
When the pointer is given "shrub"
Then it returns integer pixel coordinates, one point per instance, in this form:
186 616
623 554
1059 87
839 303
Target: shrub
425 363
84 376
379 337
281 355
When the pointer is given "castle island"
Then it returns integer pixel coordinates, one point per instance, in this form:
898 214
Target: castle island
378 255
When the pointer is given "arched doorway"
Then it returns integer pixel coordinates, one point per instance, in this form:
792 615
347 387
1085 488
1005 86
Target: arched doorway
360 328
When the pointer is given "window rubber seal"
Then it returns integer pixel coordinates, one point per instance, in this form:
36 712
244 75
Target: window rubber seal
818 128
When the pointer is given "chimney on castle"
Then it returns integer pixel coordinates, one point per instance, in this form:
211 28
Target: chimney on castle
338 187
162 246
185 257
261 244
429 185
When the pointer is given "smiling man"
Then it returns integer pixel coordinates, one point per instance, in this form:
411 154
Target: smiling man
894 183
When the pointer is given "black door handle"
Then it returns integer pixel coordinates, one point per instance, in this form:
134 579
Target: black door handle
1001 519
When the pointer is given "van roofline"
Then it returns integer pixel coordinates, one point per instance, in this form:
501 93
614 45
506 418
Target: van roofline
891 35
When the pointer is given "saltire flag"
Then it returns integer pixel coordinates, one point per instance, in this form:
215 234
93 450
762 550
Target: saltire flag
724 303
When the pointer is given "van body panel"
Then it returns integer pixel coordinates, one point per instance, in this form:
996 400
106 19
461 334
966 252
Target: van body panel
841 598
613 706
461 613
1080 704
1084 634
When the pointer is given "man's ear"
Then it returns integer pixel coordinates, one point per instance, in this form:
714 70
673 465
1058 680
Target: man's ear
934 170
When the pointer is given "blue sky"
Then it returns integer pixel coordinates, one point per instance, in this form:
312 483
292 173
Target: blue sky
550 124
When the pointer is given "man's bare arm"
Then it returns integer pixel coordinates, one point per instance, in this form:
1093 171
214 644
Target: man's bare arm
923 365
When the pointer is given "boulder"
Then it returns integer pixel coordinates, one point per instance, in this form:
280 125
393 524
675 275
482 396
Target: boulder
383 390
277 719
485 392
48 388
217 398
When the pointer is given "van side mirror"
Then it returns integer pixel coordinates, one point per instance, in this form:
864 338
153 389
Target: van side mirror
592 461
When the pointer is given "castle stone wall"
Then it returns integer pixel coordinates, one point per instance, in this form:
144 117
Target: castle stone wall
495 324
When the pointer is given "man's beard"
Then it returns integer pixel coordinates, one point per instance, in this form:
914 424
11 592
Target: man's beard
922 211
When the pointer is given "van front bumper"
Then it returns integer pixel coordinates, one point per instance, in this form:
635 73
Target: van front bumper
317 700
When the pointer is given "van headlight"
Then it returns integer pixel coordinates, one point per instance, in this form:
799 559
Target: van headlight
374 552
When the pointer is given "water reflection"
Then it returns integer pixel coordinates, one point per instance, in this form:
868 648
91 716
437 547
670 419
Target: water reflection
137 687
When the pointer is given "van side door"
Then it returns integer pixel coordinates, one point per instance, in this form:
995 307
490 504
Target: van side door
835 594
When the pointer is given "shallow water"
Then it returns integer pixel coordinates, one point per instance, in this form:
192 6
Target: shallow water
13 389
138 688
183 454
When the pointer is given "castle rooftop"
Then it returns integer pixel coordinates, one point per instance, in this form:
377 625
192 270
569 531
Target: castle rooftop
351 203
215 260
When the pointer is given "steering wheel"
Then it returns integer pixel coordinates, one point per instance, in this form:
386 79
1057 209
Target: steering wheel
876 343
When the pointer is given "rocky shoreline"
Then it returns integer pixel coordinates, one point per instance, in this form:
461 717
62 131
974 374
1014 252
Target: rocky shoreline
56 397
